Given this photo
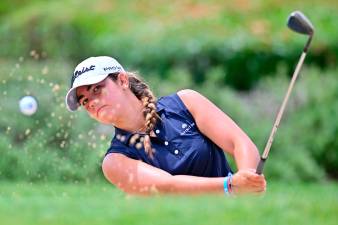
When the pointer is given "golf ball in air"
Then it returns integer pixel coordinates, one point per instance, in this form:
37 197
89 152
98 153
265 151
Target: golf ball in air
28 105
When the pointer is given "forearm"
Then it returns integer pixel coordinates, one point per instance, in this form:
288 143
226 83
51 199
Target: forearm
183 184
138 178
244 181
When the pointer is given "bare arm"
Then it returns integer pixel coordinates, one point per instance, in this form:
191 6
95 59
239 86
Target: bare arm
137 177
221 129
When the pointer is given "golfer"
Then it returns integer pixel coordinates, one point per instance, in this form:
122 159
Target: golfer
173 145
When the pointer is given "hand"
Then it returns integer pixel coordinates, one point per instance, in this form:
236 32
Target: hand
247 181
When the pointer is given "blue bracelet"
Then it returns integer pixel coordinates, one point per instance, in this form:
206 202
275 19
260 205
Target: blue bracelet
225 185
227 179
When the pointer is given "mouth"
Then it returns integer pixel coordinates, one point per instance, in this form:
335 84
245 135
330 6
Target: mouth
99 109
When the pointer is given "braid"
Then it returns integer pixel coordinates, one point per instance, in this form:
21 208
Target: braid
150 115
143 93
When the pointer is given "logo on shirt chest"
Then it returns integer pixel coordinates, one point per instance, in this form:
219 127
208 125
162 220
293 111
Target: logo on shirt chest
187 128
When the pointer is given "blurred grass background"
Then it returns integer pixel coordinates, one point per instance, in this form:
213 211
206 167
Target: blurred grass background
62 204
239 54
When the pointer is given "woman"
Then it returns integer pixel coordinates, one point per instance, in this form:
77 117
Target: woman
171 145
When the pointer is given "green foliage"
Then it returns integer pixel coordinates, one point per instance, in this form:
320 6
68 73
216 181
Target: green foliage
317 119
52 144
248 41
306 142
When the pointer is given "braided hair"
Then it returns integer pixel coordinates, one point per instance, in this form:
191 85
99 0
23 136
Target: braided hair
143 93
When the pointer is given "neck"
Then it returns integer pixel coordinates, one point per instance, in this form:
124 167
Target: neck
133 121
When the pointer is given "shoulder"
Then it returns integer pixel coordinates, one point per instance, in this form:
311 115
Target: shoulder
172 103
114 159
184 102
118 168
191 99
188 95
112 164
186 92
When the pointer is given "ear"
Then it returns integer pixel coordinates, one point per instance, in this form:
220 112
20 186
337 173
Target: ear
123 80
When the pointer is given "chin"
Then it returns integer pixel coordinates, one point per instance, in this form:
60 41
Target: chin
106 122
98 119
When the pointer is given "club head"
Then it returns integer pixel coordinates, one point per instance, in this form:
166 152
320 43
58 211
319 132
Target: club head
298 22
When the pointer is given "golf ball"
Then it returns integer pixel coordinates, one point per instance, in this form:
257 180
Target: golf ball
28 105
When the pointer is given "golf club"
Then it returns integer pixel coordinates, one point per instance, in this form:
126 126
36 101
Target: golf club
297 22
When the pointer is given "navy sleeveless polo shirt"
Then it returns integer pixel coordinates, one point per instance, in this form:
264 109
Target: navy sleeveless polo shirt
180 148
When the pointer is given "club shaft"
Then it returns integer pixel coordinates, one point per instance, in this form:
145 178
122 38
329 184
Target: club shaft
280 114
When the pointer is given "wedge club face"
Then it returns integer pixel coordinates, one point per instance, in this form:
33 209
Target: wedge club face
299 23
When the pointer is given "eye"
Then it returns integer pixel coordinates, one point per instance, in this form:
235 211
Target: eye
97 89
85 101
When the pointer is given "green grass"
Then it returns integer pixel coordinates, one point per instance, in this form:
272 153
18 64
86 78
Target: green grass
23 203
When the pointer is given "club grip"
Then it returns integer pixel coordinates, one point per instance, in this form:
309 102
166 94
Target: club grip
260 166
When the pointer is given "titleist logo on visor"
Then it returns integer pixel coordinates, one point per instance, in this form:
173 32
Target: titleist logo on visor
77 73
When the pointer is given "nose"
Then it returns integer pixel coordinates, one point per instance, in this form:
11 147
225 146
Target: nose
93 103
